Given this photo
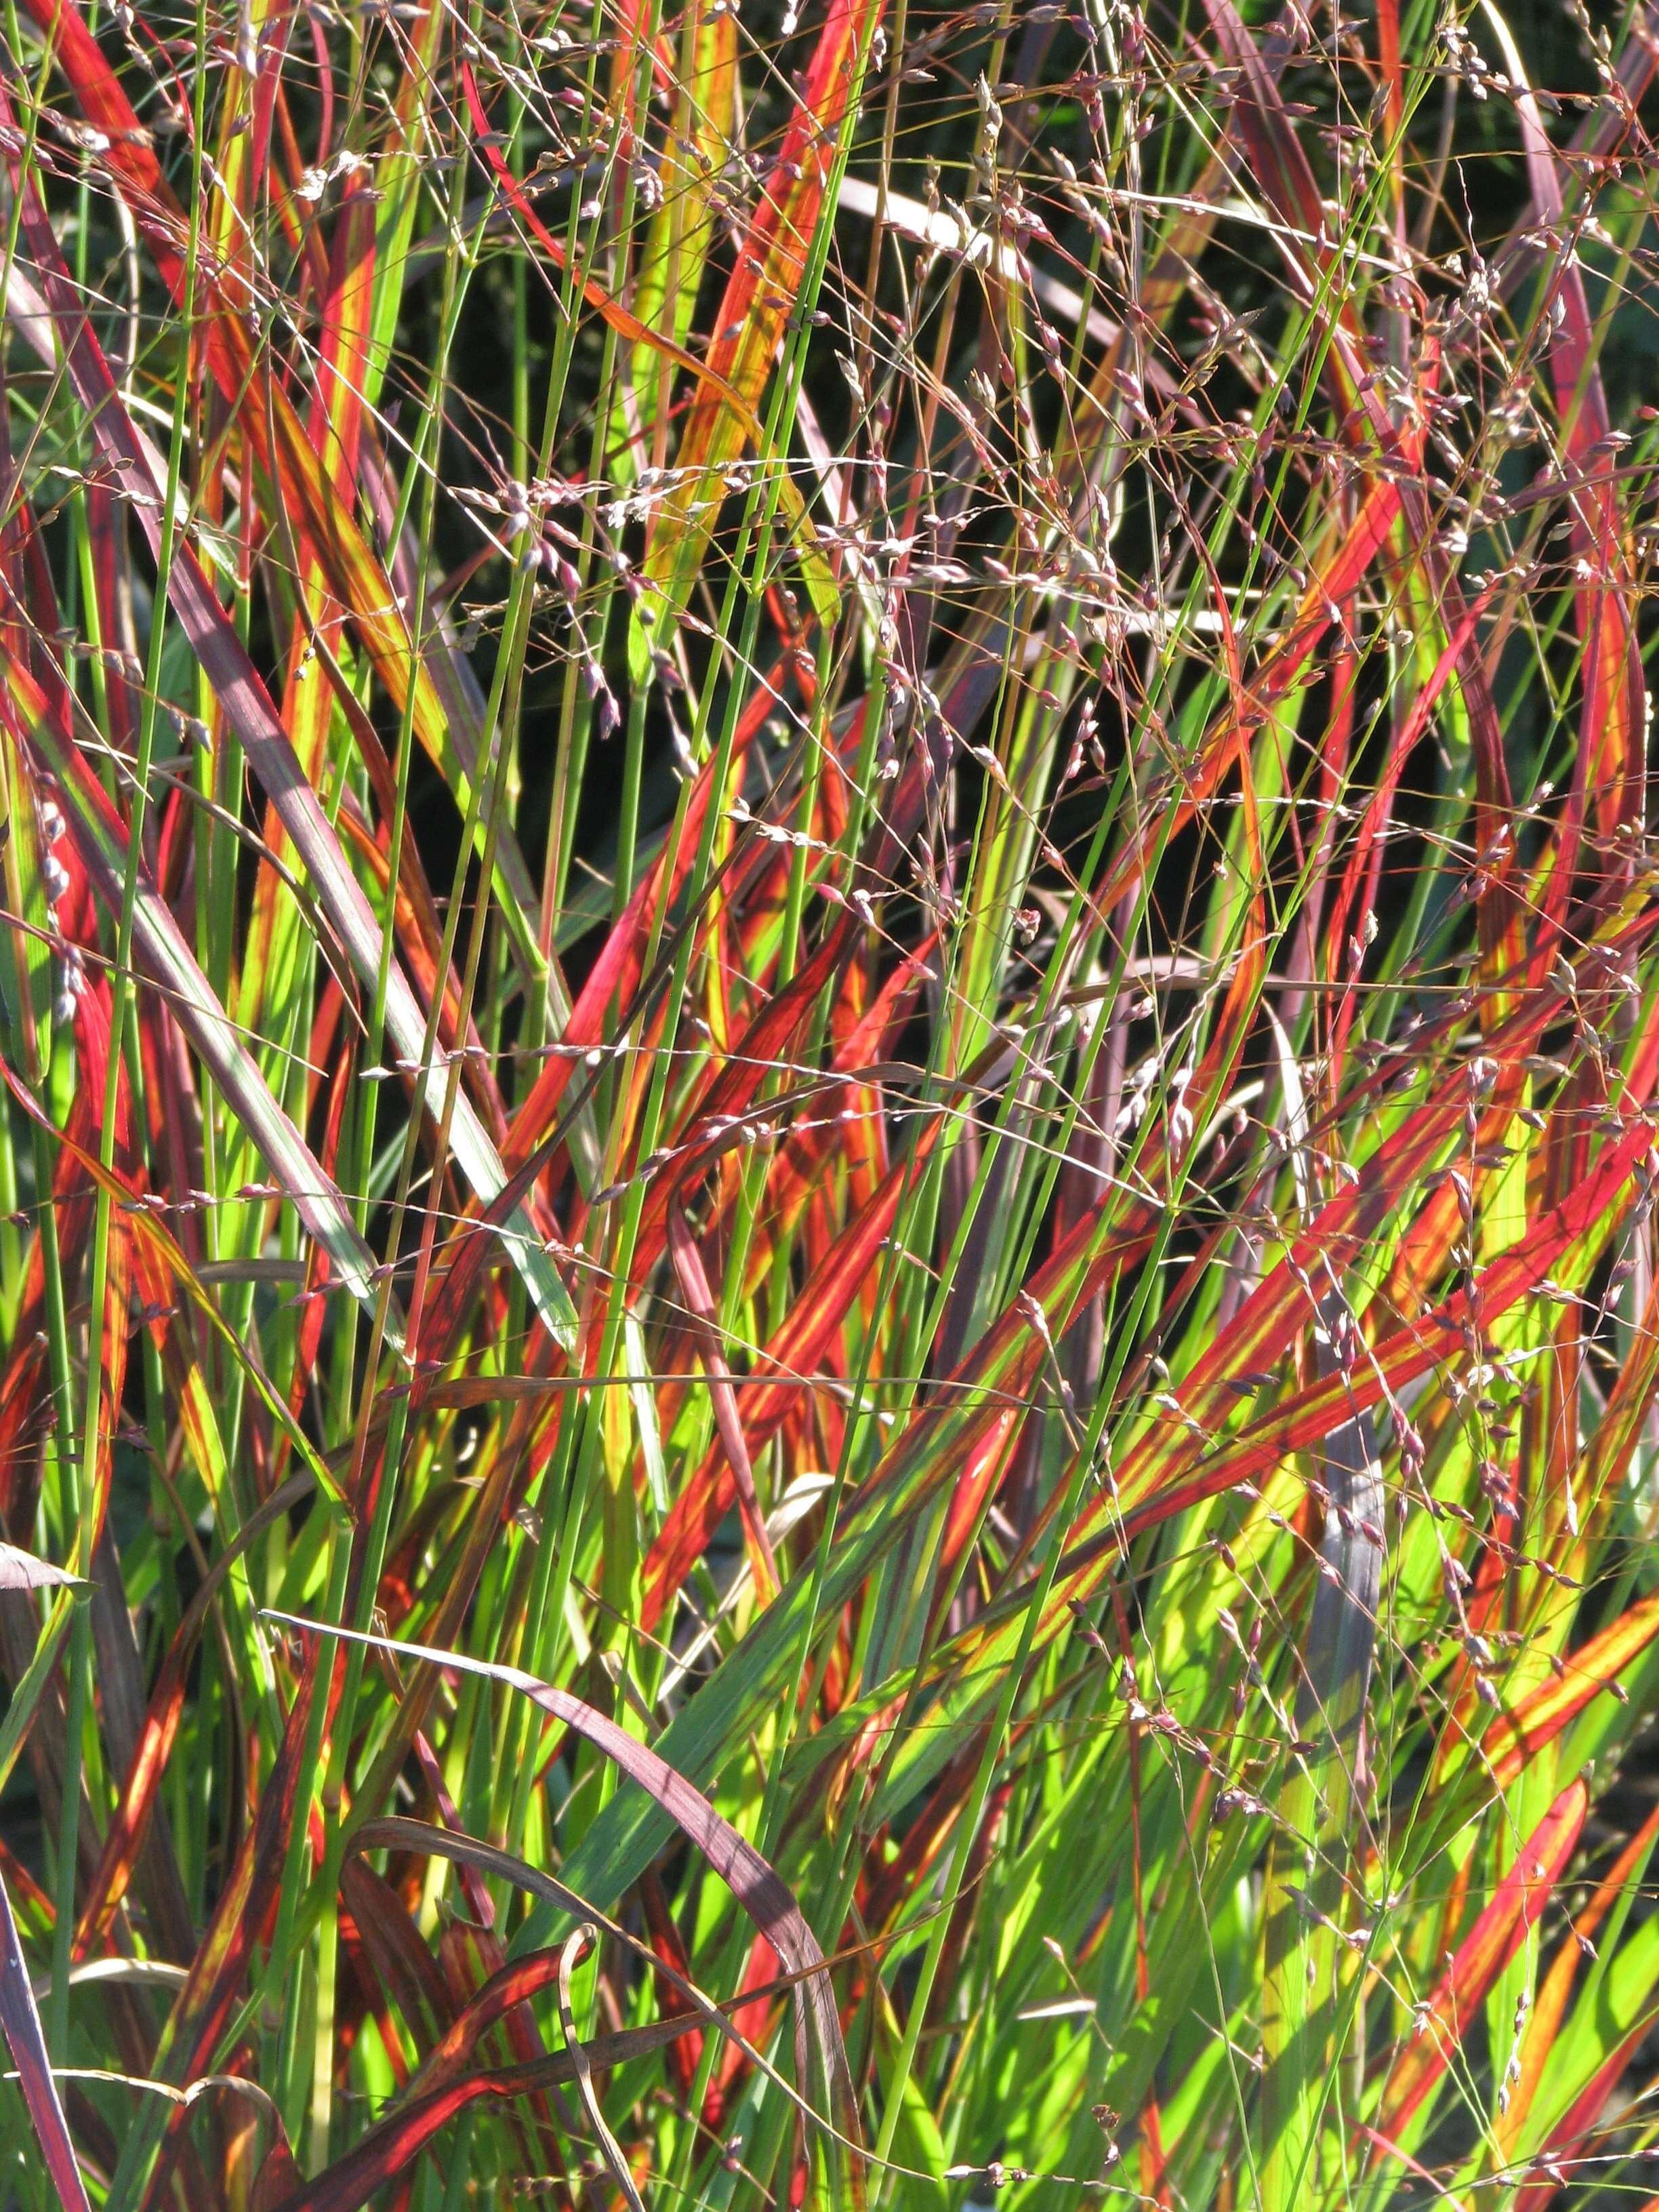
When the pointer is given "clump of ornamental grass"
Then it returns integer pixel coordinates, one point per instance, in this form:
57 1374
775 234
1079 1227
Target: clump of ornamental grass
828 1316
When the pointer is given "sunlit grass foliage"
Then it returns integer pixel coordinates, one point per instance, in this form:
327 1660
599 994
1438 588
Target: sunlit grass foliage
828 1325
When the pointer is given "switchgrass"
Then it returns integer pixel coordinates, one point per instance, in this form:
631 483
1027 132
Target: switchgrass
829 1330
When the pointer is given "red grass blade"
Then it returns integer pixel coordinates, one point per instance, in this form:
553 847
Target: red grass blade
699 1303
1496 1936
761 293
247 708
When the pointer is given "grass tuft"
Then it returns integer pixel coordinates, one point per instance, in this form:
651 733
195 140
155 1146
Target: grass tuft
830 1015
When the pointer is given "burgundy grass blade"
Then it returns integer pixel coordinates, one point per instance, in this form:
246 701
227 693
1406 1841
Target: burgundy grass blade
751 1879
21 2023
